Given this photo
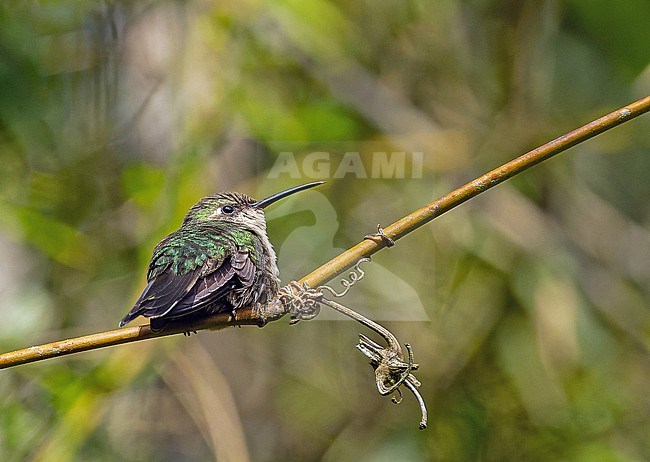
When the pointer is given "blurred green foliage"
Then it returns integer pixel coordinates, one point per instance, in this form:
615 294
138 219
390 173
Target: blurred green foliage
528 306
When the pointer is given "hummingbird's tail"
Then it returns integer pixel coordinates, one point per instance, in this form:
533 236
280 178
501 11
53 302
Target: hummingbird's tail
129 317
157 324
137 309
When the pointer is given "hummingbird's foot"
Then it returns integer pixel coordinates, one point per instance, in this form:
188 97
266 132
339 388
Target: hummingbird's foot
233 317
380 237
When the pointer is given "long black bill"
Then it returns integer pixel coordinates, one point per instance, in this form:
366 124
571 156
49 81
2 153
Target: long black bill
282 194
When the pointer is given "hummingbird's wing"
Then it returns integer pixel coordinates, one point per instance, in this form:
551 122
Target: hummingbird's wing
161 294
172 295
236 272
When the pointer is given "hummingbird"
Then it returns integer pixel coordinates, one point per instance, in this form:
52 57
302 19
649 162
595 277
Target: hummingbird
220 260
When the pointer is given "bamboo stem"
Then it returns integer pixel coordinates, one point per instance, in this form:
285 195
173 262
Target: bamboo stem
347 259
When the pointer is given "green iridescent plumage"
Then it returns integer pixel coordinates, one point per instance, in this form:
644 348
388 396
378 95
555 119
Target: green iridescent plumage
191 247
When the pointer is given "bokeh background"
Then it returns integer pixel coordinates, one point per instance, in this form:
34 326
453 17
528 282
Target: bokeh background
527 308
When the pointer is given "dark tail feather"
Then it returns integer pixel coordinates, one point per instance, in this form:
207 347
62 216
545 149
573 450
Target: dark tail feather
137 309
157 324
129 317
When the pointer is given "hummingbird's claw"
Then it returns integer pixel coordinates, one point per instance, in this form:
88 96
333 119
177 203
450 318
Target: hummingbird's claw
380 237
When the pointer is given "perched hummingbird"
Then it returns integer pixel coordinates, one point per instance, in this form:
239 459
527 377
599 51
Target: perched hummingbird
220 260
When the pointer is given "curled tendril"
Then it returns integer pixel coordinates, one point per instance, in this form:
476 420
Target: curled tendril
352 278
380 236
391 369
301 300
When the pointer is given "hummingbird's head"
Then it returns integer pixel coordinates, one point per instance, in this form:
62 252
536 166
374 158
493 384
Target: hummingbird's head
237 208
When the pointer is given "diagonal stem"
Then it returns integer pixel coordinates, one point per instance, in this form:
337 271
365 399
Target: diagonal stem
424 215
347 259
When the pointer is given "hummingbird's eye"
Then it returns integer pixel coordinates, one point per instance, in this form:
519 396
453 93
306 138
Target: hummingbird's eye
227 209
